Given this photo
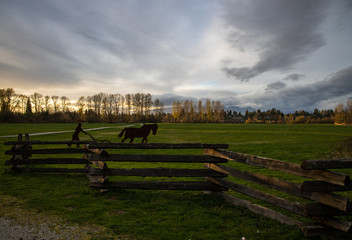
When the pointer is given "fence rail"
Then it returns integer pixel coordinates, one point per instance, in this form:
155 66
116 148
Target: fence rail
94 144
273 164
156 158
327 205
95 158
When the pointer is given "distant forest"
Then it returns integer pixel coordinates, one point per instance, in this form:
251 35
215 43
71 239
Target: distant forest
139 107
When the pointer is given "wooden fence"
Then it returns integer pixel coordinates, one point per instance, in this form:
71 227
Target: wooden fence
325 206
324 209
94 159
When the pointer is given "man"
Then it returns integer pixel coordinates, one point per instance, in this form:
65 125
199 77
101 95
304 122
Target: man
75 134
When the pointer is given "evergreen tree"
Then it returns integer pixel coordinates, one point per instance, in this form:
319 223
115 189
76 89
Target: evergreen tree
29 106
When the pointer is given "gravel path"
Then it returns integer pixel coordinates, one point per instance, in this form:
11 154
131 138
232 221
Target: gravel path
18 222
11 230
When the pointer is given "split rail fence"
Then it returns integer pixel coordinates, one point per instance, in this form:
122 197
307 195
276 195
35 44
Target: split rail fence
95 159
324 209
325 206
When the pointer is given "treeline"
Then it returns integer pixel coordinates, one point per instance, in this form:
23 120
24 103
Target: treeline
140 107
298 117
341 115
213 112
196 112
101 107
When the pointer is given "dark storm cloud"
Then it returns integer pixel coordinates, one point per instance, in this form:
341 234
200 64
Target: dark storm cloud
282 33
308 96
294 77
275 86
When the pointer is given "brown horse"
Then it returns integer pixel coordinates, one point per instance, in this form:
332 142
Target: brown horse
143 132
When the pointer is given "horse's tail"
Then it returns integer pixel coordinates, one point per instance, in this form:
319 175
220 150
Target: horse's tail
122 132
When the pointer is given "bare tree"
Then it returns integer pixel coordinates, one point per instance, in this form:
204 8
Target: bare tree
116 101
55 103
158 109
23 99
89 103
111 101
47 103
158 106
141 104
16 104
136 99
2 100
97 100
64 103
81 104
6 98
122 101
148 103
37 101
128 100
104 105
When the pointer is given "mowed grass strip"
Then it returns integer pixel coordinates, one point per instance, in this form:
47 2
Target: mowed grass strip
138 214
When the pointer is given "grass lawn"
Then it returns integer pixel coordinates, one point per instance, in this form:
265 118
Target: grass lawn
138 214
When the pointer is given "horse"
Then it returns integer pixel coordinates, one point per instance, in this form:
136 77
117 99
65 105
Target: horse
143 132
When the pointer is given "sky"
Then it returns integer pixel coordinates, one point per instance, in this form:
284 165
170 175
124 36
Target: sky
263 54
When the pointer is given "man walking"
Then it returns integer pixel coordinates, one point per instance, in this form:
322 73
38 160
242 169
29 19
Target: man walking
75 134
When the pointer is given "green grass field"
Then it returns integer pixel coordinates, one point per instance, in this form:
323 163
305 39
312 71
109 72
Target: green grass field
138 214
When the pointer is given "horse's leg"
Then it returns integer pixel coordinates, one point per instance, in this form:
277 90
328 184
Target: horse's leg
144 140
123 139
132 138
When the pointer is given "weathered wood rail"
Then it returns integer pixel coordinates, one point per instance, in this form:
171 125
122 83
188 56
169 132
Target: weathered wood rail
94 160
99 176
325 205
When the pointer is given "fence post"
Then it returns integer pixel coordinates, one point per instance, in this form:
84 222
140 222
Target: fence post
17 147
100 164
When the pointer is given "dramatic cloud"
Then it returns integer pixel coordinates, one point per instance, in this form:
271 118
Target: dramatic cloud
279 44
131 44
294 77
307 96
